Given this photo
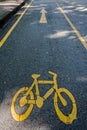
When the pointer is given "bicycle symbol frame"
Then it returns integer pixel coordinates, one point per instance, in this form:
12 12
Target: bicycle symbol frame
39 101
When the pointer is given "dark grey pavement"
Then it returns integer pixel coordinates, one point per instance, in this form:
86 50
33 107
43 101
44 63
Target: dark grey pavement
36 48
77 12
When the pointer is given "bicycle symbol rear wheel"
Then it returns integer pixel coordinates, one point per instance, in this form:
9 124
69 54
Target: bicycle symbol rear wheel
21 116
64 118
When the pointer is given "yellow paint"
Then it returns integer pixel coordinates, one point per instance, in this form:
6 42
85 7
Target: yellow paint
66 119
14 25
73 27
43 18
23 116
29 99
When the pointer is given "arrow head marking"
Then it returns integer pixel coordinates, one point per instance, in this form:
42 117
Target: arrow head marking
43 11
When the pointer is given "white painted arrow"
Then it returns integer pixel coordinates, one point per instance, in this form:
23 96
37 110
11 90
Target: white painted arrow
43 18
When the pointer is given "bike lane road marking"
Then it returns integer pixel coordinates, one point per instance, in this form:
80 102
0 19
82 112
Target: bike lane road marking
43 18
39 101
14 25
82 40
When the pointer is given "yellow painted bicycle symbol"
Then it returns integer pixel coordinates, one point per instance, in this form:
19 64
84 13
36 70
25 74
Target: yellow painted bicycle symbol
25 96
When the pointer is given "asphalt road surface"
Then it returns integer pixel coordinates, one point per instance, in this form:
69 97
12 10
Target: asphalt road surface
48 38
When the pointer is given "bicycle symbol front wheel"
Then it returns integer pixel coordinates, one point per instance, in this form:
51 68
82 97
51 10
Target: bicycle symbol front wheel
64 118
21 113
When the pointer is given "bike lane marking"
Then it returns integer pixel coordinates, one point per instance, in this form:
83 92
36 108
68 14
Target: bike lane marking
39 101
3 40
82 40
43 18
